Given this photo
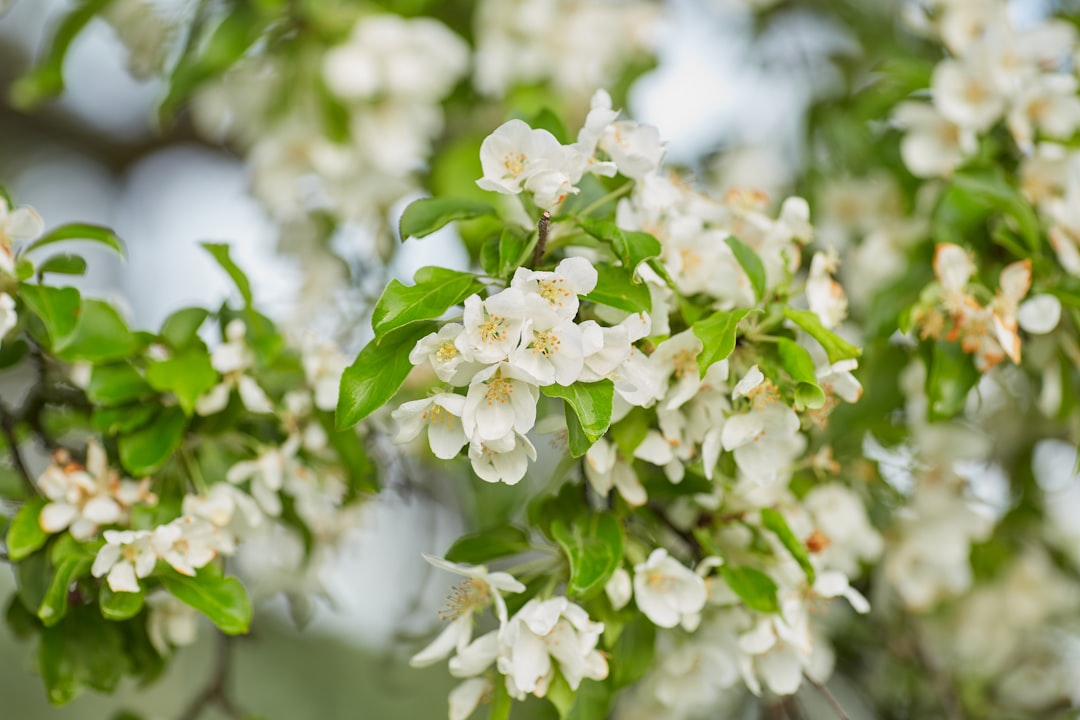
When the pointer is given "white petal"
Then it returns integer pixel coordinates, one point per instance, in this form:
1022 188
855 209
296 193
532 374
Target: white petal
1040 314
465 697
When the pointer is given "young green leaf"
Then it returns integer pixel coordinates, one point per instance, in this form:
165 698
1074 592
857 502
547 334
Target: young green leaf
101 335
836 347
377 373
25 535
950 375
425 216
756 589
435 291
188 375
116 384
119 605
800 366
632 655
180 328
616 287
591 403
79 231
631 247
593 543
222 599
488 545
146 450
220 253
717 334
70 561
993 191
751 264
772 520
58 309
64 264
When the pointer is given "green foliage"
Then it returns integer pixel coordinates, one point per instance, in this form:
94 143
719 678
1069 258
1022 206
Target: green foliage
756 589
751 264
220 253
188 375
146 450
24 535
591 403
222 599
950 375
425 216
799 365
435 291
79 231
631 247
181 328
616 287
70 561
100 335
377 373
57 308
120 605
773 521
593 543
836 348
717 334
488 545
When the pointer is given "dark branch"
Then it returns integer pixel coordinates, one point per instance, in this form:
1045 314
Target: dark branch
542 229
8 424
829 698
216 691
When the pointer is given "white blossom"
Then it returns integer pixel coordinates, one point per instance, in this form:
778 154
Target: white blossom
126 556
668 592
441 415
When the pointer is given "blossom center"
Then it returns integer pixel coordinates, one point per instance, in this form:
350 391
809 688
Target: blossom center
467 596
493 329
437 414
514 163
545 342
553 291
499 390
446 352
685 362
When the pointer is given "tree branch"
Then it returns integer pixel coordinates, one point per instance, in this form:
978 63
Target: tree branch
542 229
216 691
8 423
829 697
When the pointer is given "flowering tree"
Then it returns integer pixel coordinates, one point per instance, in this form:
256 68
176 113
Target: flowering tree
661 379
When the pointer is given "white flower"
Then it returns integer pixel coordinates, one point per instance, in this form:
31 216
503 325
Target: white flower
441 415
221 505
188 544
823 294
764 440
323 365
836 379
1040 314
513 154
841 525
465 697
492 326
171 623
668 592
619 589
1048 104
22 223
604 470
452 363
500 400
544 631
479 589
676 359
551 346
80 499
502 460
8 316
933 145
267 474
964 94
572 277
232 359
126 556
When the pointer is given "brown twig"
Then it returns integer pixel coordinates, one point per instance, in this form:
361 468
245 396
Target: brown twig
829 698
216 691
542 229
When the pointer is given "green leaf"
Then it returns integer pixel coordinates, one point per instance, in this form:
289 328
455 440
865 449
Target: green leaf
46 79
12 352
546 119
799 365
65 264
993 190
188 375
591 403
836 347
592 700
514 251
435 291
122 418
717 334
116 384
950 375
362 473
593 544
220 252
58 309
100 335
79 231
70 561
630 431
377 373
632 655
222 599
25 535
756 589
631 247
501 704
479 548
774 521
616 287
32 576
750 263
84 650
146 450
425 216
182 327
119 605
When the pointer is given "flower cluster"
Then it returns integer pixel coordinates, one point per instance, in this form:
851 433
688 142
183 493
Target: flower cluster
994 72
950 309
543 637
16 224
